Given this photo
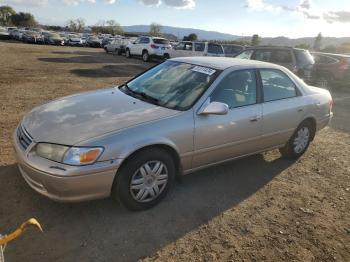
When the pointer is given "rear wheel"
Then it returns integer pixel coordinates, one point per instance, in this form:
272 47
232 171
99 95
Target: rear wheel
166 56
127 53
145 56
299 142
144 180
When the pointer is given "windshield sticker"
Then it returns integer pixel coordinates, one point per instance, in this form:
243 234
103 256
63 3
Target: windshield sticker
204 70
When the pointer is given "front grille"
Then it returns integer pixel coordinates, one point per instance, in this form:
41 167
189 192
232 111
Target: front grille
23 137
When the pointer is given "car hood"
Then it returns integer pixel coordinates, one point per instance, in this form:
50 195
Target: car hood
73 119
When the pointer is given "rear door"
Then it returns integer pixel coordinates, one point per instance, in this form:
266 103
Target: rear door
283 107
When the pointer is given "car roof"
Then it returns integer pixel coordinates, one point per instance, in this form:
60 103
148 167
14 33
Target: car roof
330 54
222 63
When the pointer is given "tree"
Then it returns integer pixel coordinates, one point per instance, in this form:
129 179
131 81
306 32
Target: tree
155 29
190 37
23 19
255 40
318 42
114 27
330 49
303 46
76 25
6 12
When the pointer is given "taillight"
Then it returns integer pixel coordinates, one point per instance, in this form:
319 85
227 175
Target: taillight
154 46
344 65
330 105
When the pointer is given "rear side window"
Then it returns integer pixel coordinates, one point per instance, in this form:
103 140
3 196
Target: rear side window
160 41
276 85
144 40
229 49
323 59
188 47
199 47
263 55
215 49
245 55
282 56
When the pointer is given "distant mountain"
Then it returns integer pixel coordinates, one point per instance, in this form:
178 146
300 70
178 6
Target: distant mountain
181 32
284 41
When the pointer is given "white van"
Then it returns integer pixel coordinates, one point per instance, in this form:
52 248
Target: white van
188 48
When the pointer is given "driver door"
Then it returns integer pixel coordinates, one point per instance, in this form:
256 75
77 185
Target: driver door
222 137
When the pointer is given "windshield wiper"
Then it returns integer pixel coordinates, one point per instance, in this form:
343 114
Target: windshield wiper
142 95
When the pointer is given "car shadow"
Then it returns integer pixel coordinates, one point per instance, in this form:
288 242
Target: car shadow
82 59
102 230
122 69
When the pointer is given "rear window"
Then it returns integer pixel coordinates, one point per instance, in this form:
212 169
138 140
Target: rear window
160 41
215 49
303 58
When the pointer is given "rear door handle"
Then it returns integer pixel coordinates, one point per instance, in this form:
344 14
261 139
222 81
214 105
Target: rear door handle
300 110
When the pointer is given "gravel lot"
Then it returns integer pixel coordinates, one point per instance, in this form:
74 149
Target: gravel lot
258 208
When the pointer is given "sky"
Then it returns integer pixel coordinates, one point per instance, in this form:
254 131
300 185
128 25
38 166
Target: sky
268 18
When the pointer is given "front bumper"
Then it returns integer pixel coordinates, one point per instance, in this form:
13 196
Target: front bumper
62 182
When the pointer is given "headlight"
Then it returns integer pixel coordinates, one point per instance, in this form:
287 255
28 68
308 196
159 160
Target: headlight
69 155
82 155
51 151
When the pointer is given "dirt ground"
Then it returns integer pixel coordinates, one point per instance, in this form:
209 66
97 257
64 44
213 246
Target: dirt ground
259 208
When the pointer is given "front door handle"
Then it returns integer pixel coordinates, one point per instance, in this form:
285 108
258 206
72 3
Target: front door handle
300 110
254 119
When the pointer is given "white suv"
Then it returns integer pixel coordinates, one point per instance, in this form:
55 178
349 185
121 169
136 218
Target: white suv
188 48
149 47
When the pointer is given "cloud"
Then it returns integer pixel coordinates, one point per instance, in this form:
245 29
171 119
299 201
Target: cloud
261 5
305 7
77 2
339 16
31 3
182 4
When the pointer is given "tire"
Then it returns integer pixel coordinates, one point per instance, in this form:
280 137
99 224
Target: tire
138 189
145 56
127 53
299 142
166 56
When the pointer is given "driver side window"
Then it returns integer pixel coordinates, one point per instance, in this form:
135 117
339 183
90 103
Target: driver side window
237 89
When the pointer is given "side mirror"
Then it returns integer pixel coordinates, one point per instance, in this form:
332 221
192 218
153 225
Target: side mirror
215 108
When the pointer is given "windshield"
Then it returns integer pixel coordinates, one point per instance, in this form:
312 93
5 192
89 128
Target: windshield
160 41
54 35
172 84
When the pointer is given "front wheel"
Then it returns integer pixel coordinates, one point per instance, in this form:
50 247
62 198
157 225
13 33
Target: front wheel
299 142
145 179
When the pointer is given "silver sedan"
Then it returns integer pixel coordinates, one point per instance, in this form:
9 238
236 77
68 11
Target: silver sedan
178 117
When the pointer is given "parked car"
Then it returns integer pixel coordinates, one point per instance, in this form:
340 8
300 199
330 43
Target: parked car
4 34
299 61
53 39
232 50
331 68
188 48
118 45
107 40
74 40
148 47
177 117
93 41
32 37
